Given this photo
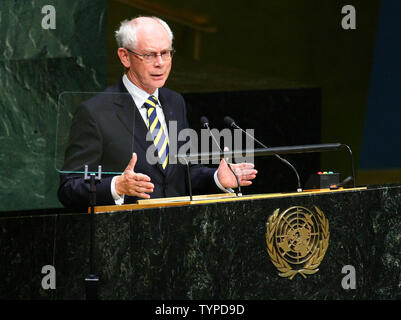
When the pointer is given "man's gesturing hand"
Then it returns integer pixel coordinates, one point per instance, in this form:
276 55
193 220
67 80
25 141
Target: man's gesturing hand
245 172
135 184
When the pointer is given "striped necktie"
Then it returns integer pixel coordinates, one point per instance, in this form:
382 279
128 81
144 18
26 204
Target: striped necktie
156 129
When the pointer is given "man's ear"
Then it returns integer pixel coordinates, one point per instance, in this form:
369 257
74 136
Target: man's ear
123 54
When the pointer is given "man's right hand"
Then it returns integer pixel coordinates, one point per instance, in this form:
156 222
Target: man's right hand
134 184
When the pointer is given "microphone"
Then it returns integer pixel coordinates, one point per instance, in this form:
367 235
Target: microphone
205 123
231 123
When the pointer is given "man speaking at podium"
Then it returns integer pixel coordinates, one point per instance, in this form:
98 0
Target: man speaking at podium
146 52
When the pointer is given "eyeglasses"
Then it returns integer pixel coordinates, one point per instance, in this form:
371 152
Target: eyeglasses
166 55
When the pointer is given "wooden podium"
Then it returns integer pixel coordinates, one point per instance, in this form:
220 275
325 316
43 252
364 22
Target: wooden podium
211 198
213 247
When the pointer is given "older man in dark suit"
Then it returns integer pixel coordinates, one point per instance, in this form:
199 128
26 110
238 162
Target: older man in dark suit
111 129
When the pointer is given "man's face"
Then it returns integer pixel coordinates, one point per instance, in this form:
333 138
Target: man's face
151 38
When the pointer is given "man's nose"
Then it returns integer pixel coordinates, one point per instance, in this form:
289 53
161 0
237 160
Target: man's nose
158 60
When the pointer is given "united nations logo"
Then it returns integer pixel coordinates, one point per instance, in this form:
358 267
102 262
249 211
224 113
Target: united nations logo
297 240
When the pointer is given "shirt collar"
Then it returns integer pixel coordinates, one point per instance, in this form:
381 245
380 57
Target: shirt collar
139 95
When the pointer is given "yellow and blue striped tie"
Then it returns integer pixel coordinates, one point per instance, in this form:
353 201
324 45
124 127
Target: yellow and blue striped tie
156 129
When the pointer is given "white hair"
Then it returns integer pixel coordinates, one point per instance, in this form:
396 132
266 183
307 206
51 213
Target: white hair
126 34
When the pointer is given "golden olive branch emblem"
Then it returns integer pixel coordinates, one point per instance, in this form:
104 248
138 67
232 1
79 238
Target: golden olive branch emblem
297 237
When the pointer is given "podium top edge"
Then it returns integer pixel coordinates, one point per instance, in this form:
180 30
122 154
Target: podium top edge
205 199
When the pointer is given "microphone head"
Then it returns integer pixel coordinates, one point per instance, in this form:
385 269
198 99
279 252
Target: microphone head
204 121
229 121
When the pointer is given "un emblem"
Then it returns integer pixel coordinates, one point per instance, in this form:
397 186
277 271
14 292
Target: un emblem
297 240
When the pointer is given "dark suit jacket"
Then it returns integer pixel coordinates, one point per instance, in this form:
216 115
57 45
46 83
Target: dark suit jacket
106 130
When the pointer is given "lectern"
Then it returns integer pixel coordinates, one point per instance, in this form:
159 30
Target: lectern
213 248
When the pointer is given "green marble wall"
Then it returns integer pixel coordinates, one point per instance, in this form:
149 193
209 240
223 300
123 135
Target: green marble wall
213 251
36 65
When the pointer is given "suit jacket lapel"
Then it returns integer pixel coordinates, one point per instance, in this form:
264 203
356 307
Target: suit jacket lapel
130 117
125 105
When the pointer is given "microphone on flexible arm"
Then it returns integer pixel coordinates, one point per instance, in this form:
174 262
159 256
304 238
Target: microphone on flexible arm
231 123
205 123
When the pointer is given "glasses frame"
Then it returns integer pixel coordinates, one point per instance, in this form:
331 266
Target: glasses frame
151 56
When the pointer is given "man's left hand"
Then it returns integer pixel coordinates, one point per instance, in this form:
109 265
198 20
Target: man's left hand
245 172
